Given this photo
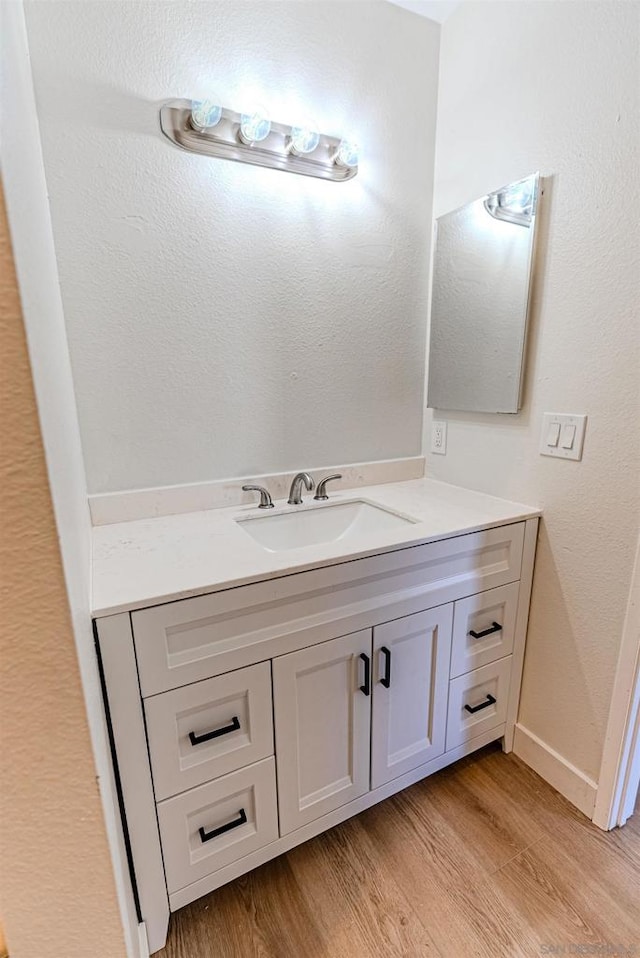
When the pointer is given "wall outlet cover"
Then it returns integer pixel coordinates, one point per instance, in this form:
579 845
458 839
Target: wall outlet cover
439 437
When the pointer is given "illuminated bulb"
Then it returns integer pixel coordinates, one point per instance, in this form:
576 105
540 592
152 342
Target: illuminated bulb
514 204
205 114
254 126
516 198
347 154
303 139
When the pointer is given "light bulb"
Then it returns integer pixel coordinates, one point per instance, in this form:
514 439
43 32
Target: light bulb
205 114
516 198
348 153
303 139
254 126
514 203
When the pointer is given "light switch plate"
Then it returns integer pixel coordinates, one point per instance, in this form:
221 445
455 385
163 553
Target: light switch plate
562 435
439 437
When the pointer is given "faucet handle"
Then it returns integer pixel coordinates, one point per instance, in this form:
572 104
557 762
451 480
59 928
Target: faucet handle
265 498
321 490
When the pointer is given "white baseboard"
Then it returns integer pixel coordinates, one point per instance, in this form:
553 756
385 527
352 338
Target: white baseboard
556 770
193 497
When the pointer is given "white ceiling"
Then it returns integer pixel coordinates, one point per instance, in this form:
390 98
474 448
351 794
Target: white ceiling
437 10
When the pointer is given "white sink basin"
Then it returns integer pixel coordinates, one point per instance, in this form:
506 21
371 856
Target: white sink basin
307 526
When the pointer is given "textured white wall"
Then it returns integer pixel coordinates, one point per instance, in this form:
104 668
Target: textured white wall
225 320
527 86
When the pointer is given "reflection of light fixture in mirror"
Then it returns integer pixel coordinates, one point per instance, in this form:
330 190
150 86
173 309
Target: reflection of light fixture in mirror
347 153
303 139
203 127
205 114
254 126
515 203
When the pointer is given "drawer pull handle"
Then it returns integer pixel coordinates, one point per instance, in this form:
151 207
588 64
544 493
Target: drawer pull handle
236 823
496 627
217 732
483 705
366 688
386 678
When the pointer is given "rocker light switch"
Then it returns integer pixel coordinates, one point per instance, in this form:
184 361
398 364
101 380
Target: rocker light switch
562 435
553 435
568 436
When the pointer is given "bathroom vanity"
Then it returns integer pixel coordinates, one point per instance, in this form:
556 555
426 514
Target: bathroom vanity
259 694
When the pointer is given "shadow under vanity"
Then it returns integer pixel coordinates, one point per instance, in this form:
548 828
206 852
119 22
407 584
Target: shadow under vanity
258 695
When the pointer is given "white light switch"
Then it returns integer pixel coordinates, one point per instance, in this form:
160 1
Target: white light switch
562 435
553 435
568 437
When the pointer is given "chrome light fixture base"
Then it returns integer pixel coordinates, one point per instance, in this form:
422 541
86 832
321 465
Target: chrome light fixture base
223 141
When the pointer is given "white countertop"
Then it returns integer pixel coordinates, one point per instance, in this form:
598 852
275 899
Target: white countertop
149 561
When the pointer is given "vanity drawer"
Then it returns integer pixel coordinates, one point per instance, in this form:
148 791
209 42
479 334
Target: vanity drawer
183 642
483 628
201 731
478 702
216 824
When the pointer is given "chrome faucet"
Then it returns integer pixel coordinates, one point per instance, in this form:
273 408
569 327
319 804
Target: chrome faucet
295 493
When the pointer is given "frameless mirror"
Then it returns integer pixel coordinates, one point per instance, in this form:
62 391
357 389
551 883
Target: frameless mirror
480 300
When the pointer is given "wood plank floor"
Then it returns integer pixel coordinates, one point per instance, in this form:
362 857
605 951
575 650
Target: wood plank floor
481 859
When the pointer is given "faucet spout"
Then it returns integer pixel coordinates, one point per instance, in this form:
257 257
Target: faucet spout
295 493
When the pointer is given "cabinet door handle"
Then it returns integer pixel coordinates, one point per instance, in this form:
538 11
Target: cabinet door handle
386 678
483 705
496 627
216 733
236 823
366 688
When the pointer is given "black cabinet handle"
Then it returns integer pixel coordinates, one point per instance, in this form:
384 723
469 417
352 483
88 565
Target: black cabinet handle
483 705
496 627
217 732
207 836
366 688
386 678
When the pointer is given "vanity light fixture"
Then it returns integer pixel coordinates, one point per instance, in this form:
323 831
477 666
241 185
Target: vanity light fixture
205 127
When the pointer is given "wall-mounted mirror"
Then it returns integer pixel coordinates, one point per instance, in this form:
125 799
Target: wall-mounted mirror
481 280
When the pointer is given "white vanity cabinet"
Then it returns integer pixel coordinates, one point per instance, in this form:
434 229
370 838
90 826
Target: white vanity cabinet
247 720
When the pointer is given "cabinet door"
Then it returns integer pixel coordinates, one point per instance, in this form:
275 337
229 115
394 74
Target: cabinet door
322 709
411 681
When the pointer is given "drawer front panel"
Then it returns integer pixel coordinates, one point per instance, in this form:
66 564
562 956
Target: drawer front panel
483 628
478 702
210 728
193 639
216 824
